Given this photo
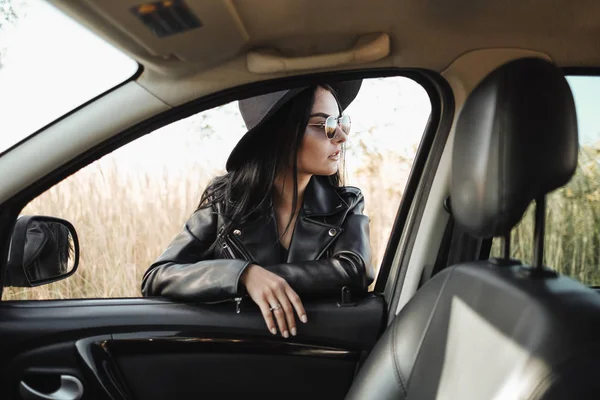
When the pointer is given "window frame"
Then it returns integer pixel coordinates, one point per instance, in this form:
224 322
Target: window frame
419 180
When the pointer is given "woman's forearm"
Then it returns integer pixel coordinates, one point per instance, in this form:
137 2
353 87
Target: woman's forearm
210 280
327 276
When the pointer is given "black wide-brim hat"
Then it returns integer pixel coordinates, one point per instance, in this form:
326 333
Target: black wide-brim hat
257 110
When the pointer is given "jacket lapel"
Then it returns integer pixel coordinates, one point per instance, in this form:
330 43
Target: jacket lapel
319 222
259 239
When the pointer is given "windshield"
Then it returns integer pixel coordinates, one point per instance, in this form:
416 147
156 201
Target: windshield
49 65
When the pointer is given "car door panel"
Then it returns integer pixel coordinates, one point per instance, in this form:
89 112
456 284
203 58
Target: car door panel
153 348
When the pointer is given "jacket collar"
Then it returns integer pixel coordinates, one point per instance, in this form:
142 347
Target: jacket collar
321 198
312 235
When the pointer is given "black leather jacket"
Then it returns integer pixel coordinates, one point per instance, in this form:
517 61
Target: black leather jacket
329 249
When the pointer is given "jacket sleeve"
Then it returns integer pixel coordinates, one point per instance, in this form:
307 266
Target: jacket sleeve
183 271
349 264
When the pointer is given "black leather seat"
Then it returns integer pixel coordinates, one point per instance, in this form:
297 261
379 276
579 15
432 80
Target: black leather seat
498 329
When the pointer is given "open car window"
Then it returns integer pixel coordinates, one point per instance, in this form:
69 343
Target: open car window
129 205
49 65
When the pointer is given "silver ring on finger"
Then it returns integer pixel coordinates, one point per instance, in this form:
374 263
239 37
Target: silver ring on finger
275 307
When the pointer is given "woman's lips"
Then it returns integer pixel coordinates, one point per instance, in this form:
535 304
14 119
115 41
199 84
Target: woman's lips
335 156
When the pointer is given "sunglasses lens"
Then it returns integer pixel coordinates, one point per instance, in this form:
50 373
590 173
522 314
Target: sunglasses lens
346 123
330 127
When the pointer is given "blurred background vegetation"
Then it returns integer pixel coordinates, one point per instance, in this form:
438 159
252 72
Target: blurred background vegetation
572 245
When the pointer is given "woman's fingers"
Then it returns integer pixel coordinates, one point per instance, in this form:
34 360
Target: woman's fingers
275 298
277 310
268 316
288 311
297 303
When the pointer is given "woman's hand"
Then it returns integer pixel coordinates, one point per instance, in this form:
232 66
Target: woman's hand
274 296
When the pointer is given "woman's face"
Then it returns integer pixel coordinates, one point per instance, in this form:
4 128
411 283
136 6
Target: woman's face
317 154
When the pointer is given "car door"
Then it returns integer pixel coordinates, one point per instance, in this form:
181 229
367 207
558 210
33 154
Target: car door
153 348
156 349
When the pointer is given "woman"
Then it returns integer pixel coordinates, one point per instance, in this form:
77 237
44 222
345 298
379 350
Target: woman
278 225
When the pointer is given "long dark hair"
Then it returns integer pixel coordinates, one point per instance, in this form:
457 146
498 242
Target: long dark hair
247 188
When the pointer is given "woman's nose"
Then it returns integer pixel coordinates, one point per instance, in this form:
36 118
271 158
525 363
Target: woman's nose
340 136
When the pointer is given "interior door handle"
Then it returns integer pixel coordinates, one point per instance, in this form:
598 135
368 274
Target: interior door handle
70 389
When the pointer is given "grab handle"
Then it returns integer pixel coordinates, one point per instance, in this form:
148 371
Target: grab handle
266 61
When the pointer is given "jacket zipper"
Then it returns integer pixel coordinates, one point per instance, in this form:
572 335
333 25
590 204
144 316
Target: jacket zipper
237 300
228 246
228 252
238 303
235 245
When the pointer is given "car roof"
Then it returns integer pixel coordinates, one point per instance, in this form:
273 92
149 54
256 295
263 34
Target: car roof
424 34
427 34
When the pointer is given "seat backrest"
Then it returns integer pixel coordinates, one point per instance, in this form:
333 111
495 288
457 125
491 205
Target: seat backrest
498 329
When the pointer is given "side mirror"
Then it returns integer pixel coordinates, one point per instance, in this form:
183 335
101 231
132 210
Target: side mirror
42 250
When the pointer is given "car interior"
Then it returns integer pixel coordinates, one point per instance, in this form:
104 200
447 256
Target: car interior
447 318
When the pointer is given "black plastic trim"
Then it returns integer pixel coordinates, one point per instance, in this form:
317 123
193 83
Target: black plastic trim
100 363
581 71
150 342
98 353
27 324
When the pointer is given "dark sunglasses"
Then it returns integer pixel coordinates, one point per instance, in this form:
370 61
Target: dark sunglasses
331 123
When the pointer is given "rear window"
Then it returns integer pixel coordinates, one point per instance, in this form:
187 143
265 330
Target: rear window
572 245
49 65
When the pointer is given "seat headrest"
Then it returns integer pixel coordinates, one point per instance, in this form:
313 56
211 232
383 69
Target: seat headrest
515 141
